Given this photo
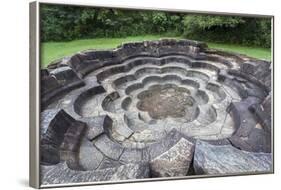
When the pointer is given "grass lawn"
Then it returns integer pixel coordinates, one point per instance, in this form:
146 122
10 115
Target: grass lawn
55 50
256 52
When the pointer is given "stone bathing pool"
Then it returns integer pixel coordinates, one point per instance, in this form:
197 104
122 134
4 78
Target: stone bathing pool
151 109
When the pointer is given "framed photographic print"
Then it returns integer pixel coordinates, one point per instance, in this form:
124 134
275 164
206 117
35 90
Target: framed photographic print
130 94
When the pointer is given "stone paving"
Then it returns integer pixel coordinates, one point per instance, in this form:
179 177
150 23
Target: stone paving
152 109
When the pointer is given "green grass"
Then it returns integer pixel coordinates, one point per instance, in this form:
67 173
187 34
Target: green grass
256 52
55 50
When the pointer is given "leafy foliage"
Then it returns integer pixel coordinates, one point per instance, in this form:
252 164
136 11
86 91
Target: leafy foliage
237 30
64 23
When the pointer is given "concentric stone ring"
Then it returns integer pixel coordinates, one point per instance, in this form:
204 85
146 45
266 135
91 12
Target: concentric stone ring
137 107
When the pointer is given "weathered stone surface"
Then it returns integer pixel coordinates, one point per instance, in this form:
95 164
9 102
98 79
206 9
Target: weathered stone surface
108 147
61 70
263 113
122 128
248 136
255 90
109 163
131 171
44 73
69 148
166 143
131 155
260 140
218 142
267 104
59 81
174 162
49 83
156 48
260 71
97 125
55 125
49 154
244 119
85 98
261 79
89 156
61 174
73 136
262 116
240 143
248 67
225 159
85 62
45 118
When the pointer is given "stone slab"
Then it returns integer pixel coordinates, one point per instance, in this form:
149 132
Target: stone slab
89 156
61 174
97 125
225 159
174 162
107 146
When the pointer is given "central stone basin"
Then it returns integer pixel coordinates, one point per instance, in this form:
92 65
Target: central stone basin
162 101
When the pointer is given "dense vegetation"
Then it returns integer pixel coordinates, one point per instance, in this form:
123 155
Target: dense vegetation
64 23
